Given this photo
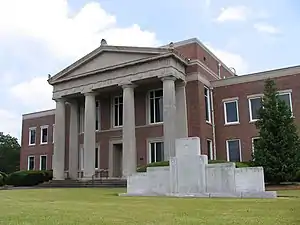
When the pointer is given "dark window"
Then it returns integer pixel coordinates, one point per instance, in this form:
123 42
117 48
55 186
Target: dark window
156 152
97 115
96 158
31 163
255 105
233 149
156 106
43 162
209 150
118 111
32 136
286 97
44 135
231 112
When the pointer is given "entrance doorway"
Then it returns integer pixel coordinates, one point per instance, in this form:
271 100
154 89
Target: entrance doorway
117 158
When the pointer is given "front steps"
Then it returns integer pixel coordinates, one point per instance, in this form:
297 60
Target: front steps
103 183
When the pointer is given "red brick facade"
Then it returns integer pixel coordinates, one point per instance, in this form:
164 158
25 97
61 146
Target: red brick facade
215 130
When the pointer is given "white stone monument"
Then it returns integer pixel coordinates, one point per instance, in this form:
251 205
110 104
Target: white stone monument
190 175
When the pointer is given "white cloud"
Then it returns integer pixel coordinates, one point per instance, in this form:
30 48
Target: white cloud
233 13
65 35
266 28
230 59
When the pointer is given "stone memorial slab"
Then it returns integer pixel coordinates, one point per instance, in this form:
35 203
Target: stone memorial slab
249 179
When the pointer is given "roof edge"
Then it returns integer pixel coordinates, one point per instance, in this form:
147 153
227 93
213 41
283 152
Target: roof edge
38 114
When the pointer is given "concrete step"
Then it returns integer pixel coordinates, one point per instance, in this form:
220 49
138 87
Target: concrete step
77 183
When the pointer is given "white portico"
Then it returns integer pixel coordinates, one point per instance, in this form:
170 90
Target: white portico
124 68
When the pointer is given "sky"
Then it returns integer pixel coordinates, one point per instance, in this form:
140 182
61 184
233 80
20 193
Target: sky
41 37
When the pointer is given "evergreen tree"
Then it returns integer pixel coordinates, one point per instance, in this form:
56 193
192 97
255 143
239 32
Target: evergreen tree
277 149
9 154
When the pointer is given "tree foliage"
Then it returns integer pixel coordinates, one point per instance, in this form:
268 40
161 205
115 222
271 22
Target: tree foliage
9 154
277 149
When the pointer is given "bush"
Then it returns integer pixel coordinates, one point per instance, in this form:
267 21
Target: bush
155 164
216 161
1 180
297 177
4 176
27 178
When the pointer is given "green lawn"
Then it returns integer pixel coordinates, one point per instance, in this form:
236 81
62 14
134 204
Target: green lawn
103 206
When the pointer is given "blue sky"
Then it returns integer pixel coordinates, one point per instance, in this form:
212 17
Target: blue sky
38 37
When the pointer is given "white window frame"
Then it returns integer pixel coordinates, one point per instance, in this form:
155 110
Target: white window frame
149 106
153 141
287 92
41 161
41 135
98 117
114 111
210 154
29 139
227 148
28 161
252 142
98 158
53 133
250 106
225 101
209 103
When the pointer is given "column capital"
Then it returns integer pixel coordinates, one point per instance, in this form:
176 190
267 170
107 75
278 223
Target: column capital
60 100
181 83
172 78
129 85
90 93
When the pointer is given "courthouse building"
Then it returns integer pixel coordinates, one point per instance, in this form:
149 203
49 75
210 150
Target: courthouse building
120 107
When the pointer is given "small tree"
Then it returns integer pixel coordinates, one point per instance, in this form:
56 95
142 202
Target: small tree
9 154
277 149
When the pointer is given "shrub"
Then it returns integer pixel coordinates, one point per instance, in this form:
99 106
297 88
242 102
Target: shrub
243 164
48 175
27 178
297 177
1 180
216 161
155 164
4 176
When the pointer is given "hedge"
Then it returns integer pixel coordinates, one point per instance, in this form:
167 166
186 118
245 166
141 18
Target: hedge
166 163
1 180
28 178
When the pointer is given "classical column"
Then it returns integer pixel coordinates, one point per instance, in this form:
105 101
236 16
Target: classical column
181 111
73 140
129 142
169 115
89 142
59 141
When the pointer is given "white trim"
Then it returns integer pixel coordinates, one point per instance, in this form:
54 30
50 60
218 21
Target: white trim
209 104
41 161
148 107
211 153
252 141
230 99
250 108
237 111
227 149
28 161
113 111
261 95
29 138
153 141
41 135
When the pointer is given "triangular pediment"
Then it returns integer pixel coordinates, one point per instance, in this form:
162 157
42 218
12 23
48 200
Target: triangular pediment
105 58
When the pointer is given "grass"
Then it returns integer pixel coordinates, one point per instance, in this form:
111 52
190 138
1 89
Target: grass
103 206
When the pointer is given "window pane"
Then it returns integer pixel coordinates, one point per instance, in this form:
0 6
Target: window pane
152 152
116 115
207 116
32 136
43 162
152 110
285 98
120 115
231 112
158 110
209 150
97 117
96 158
255 106
31 163
44 135
159 152
158 93
234 151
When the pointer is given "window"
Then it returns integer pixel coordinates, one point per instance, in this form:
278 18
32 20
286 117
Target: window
231 112
254 106
53 133
81 119
118 111
254 140
97 158
207 105
156 152
287 98
30 163
209 149
43 162
97 115
32 136
233 150
44 134
156 106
